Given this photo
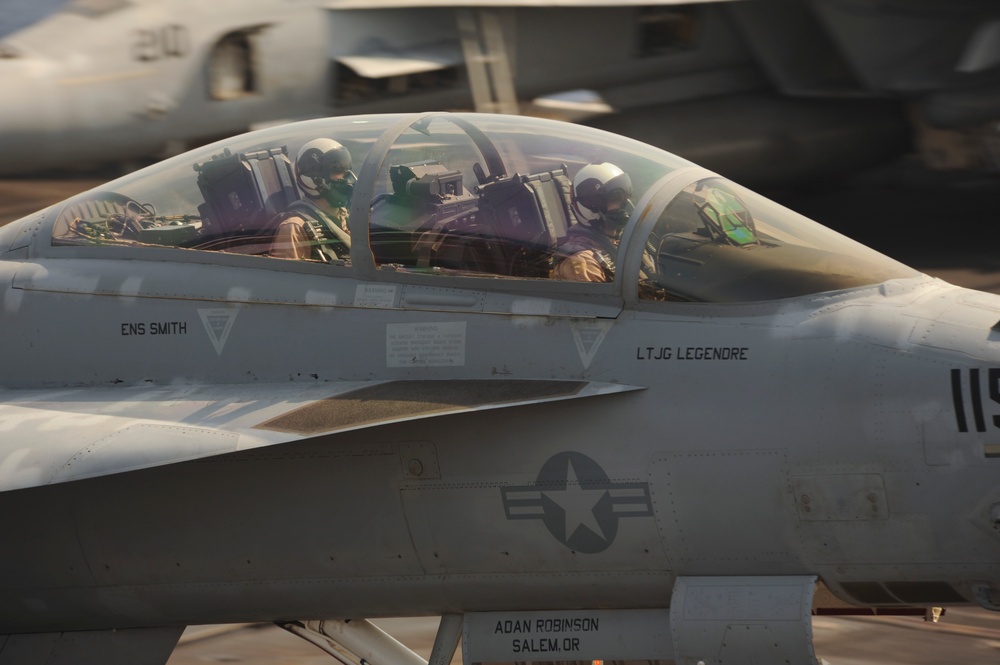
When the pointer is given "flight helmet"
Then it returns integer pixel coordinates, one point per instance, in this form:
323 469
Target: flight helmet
317 161
602 195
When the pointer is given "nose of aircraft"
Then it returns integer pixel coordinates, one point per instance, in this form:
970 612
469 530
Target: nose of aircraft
955 398
962 321
958 330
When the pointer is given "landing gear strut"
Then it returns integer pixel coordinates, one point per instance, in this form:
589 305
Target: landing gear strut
360 642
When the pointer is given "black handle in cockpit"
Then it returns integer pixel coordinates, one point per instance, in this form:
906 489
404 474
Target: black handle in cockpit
494 163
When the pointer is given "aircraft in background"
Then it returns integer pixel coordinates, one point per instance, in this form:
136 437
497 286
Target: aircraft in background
747 420
807 87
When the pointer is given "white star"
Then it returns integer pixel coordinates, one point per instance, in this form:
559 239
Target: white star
578 504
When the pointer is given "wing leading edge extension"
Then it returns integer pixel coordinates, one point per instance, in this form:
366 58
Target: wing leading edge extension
49 437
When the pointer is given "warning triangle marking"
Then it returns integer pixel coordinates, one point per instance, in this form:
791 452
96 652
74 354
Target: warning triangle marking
588 338
218 324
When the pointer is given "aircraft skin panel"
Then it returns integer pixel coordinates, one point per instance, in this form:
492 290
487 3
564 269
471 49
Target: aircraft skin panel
136 646
278 286
470 522
44 444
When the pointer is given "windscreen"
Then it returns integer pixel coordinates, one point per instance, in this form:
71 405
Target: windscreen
720 242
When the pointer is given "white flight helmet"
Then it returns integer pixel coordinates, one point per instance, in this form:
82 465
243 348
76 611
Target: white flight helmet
317 159
603 191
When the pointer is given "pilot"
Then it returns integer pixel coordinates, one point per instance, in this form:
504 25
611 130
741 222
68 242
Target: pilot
323 171
602 201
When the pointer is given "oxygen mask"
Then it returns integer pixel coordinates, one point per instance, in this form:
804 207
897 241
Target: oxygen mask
338 192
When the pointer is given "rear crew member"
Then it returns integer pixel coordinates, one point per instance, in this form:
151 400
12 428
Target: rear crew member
602 201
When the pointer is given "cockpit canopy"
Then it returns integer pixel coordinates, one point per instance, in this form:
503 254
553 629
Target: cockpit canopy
467 196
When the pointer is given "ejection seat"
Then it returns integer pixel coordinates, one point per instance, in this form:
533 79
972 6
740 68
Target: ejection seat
244 195
427 221
531 214
509 225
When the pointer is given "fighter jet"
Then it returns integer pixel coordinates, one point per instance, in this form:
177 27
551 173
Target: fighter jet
180 72
579 396
805 85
